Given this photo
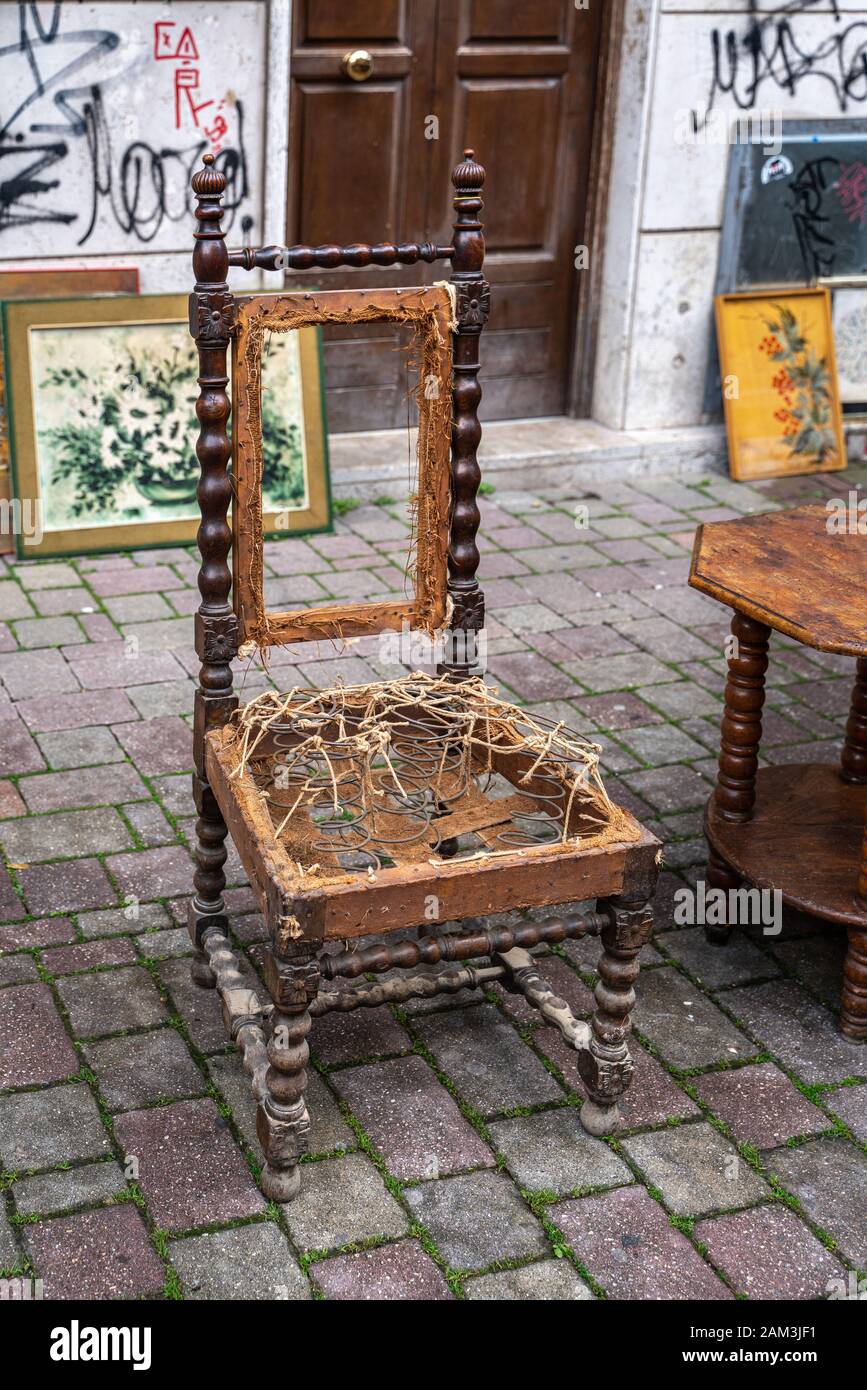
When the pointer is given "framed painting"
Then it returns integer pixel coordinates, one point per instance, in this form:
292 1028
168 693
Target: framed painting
102 396
779 376
849 316
49 282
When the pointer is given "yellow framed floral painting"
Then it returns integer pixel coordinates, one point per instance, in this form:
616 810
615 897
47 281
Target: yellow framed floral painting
782 402
102 396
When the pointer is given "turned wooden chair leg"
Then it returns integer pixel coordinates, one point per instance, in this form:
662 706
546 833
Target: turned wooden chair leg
606 1068
741 734
207 908
853 763
282 1122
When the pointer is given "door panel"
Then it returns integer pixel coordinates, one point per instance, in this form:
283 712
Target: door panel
515 80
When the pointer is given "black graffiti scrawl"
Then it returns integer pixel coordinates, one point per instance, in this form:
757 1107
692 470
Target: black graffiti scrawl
769 56
60 72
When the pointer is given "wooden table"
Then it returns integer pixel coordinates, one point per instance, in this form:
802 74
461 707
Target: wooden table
797 827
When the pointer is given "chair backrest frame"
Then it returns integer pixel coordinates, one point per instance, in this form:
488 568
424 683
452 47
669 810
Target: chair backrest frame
213 320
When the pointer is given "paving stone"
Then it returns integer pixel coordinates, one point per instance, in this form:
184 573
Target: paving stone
686 1027
18 751
13 601
164 698
138 580
164 945
818 960
625 1241
531 676
767 1253
164 872
131 608
476 1219
819 1174
621 672
662 743
487 1061
800 1032
72 886
10 1254
94 786
695 1169
411 1119
354 1037
189 1168
553 1280
670 788
40 1128
199 1008
244 1262
66 960
111 1001
717 966
42 576
342 1200
34 1047
550 1152
760 1105
80 747
158 745
24 672
134 917
49 713
48 632
16 970
10 802
142 1069
69 833
96 1255
75 1187
850 1103
402 1271
28 935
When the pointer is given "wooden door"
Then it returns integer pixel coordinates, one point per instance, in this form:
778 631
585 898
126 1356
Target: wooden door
515 80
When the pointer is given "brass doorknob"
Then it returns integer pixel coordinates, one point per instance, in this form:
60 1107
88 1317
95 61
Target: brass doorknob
358 64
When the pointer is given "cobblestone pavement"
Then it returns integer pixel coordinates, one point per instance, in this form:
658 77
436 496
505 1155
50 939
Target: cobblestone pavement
447 1158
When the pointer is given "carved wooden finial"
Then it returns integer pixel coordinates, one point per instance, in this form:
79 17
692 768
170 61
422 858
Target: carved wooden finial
209 182
468 176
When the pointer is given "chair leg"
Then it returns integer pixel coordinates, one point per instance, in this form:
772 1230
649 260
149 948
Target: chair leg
741 732
606 1067
282 1122
207 908
853 763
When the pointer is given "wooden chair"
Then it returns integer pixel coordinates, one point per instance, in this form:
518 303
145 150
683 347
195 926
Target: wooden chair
411 804
798 828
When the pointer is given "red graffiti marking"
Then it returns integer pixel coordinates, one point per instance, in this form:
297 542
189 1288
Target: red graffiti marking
184 51
185 48
852 192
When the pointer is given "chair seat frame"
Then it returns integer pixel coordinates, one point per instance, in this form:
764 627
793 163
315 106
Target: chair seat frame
271 1035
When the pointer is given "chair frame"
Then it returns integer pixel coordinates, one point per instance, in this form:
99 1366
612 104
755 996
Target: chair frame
272 1037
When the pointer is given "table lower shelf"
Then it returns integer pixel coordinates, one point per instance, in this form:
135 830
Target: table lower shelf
805 839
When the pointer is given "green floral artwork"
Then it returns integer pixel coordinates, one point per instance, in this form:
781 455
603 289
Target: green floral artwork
116 424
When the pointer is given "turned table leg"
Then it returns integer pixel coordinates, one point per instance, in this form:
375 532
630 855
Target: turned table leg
741 733
606 1067
282 1122
853 1013
853 763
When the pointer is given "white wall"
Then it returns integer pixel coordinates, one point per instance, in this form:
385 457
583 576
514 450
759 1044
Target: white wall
661 252
95 94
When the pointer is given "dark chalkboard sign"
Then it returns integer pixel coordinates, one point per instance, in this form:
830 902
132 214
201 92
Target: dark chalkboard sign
795 217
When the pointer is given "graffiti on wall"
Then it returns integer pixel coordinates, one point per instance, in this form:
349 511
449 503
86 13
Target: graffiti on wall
772 54
105 112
